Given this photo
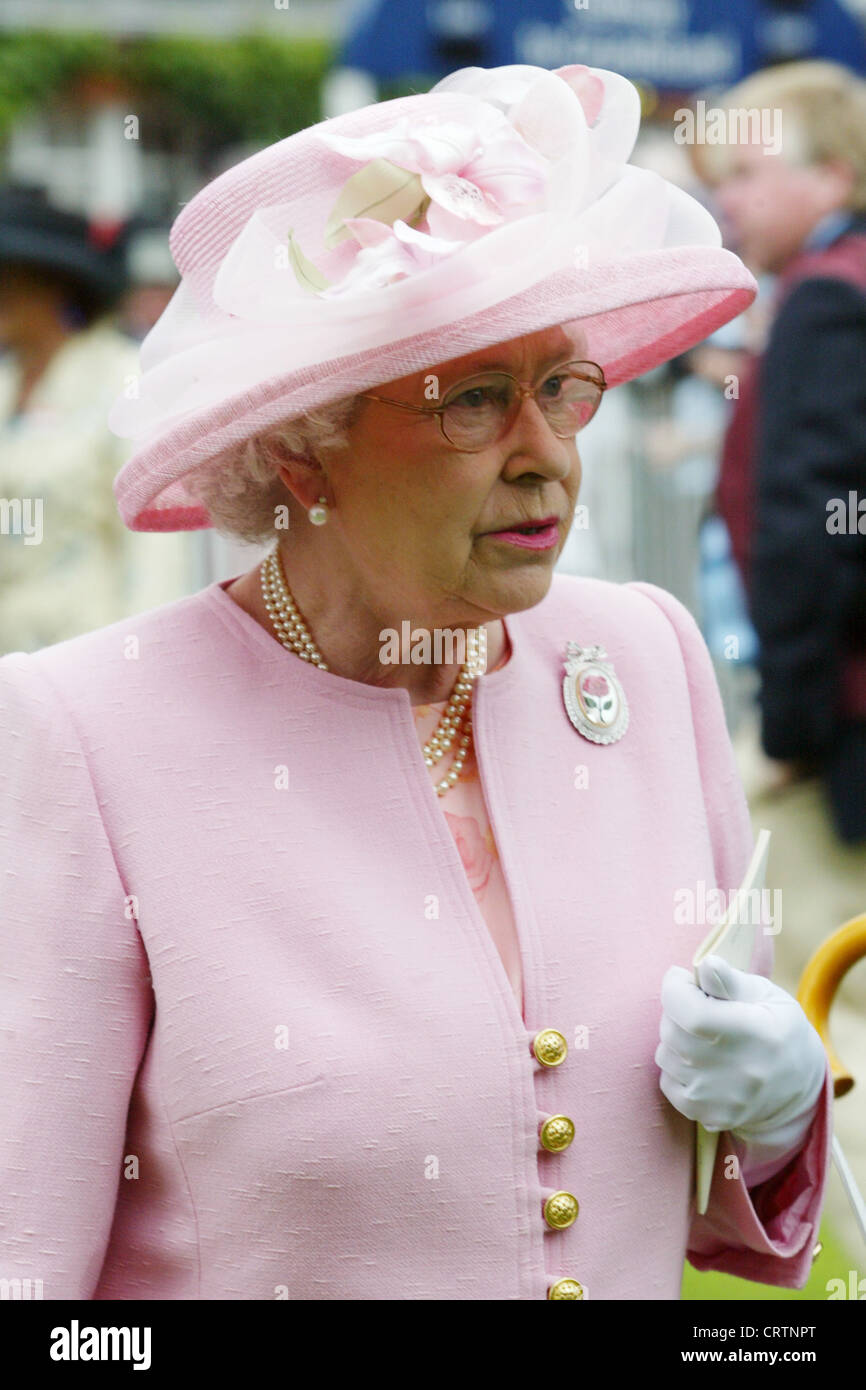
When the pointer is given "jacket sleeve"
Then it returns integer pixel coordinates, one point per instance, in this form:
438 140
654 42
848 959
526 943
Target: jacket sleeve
75 998
811 447
765 1233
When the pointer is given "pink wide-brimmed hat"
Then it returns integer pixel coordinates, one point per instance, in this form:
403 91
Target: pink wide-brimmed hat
382 242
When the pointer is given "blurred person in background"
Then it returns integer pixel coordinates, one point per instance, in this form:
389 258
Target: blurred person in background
67 562
797 439
659 472
794 452
682 448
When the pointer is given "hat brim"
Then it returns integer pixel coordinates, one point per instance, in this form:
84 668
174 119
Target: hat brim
636 312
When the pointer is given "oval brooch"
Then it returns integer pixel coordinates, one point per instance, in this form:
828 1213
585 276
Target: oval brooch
594 699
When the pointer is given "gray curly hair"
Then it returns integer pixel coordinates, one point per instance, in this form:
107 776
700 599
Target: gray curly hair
241 487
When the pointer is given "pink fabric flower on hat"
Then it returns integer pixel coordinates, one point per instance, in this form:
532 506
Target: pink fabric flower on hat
427 188
387 254
475 176
588 88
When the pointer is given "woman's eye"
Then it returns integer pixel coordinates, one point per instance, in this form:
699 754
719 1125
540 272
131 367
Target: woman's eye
556 383
475 396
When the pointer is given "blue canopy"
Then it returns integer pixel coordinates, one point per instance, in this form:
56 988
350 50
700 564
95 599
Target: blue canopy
675 45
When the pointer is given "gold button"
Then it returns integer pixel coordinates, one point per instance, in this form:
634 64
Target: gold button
565 1288
560 1210
557 1133
550 1047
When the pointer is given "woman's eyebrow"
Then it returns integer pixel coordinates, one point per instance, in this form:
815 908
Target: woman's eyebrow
499 364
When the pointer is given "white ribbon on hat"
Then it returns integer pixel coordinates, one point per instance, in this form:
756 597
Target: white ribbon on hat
266 324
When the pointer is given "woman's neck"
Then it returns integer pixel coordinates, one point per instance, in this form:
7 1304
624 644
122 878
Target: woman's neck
354 654
32 357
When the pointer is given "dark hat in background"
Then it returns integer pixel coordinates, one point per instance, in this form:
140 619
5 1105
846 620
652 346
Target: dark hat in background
86 255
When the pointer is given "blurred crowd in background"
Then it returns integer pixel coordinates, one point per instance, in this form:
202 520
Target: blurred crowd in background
711 476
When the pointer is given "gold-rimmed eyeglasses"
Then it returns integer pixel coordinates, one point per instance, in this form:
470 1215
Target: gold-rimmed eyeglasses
480 410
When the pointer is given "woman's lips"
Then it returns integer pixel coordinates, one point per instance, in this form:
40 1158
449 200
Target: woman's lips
543 537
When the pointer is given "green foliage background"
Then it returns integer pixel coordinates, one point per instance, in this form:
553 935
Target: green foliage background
253 87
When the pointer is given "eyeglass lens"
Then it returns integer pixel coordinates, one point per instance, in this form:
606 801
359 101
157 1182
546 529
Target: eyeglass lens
478 410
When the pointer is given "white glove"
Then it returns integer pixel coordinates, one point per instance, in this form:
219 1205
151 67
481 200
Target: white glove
740 1055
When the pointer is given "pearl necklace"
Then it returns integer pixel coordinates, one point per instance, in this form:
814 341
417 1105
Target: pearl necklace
456 720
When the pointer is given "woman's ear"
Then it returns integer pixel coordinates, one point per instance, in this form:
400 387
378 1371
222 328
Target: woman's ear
303 477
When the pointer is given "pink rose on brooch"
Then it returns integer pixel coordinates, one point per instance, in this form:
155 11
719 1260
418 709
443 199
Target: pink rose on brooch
598 698
476 857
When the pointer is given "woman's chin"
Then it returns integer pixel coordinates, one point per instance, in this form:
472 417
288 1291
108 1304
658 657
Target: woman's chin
512 593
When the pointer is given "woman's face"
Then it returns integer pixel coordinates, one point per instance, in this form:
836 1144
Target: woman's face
30 303
772 204
417 517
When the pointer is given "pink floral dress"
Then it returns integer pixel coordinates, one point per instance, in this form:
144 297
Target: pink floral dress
466 816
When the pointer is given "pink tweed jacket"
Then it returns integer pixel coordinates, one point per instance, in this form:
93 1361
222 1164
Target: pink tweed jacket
257 1041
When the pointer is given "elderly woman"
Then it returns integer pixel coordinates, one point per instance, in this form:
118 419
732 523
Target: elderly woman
344 958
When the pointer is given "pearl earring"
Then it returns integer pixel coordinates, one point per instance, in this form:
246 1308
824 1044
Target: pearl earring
319 514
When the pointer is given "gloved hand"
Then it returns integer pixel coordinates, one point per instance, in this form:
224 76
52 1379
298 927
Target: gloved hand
739 1054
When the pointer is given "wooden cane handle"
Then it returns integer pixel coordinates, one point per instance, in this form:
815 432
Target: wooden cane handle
820 981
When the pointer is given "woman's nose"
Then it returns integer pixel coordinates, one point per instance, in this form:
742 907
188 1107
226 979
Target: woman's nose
550 454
